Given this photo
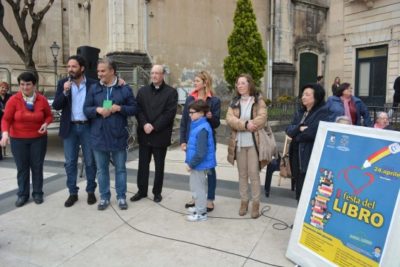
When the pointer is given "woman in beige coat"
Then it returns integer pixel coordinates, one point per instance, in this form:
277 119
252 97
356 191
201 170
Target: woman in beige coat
247 114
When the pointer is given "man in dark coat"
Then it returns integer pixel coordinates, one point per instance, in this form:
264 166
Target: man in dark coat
157 105
75 128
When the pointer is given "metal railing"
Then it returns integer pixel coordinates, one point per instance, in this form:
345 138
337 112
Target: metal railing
281 111
135 77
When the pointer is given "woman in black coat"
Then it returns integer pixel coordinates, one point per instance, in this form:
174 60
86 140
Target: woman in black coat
303 130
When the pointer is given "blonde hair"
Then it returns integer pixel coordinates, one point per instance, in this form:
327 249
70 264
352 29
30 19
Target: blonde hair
207 80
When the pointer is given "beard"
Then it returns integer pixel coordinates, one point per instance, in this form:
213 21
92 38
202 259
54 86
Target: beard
75 75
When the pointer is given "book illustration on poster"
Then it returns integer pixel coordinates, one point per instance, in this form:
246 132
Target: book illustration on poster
320 214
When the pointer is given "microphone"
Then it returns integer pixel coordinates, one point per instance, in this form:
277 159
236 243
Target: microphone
66 90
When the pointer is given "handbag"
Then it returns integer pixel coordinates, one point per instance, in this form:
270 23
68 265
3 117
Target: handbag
284 166
267 150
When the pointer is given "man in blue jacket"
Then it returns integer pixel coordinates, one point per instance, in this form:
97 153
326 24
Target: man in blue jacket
75 128
108 106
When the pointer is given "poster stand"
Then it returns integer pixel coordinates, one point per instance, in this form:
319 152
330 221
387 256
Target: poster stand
349 210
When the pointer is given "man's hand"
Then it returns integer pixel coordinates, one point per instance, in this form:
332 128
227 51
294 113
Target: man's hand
115 108
67 87
121 82
148 128
103 112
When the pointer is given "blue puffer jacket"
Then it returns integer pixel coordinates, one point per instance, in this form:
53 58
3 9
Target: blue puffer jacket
336 107
109 134
204 150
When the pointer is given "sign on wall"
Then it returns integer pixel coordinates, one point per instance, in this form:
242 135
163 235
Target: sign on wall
349 212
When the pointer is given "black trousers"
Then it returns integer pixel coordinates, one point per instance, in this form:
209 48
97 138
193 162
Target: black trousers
145 153
29 156
297 174
271 168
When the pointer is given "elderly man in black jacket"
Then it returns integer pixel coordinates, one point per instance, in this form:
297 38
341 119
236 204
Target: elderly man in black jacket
157 104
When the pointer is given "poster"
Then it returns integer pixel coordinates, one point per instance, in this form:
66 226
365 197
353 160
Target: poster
348 213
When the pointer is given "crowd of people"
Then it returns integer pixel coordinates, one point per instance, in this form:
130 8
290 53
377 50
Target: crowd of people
94 119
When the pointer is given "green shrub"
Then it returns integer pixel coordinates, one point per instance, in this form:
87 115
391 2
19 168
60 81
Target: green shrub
246 52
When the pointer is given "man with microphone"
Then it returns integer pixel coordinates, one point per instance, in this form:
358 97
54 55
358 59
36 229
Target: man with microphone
75 128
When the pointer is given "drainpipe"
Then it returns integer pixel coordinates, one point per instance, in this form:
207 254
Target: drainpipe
145 30
271 47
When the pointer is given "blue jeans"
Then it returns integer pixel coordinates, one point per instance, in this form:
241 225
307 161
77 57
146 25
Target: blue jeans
29 156
79 135
103 161
212 184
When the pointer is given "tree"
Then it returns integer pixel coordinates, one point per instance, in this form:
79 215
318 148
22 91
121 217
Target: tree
21 11
246 52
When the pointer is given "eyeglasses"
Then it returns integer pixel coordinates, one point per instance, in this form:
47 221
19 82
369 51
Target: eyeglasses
192 112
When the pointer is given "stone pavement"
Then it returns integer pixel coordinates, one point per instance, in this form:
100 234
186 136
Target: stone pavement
147 234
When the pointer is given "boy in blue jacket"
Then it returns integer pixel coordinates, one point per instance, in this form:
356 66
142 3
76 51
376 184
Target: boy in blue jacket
200 157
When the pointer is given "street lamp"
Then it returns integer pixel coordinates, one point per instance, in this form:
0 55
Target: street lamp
54 51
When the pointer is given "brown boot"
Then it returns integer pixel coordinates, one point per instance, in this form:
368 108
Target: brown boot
255 210
243 207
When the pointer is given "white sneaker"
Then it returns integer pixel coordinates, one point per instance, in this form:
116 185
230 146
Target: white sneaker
197 217
191 210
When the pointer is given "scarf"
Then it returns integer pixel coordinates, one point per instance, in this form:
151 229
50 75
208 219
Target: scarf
29 101
195 94
350 110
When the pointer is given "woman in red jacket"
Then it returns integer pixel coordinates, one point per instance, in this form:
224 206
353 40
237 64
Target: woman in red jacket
24 123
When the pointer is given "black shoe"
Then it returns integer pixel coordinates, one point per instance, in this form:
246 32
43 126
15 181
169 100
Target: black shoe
266 193
137 197
38 199
21 201
157 198
71 200
91 199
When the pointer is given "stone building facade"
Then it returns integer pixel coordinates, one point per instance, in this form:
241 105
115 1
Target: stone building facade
357 40
364 39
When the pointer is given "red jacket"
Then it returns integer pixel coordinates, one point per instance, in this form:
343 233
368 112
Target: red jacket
23 123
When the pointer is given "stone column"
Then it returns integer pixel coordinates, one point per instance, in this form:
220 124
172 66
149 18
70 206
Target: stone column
283 69
283 32
125 25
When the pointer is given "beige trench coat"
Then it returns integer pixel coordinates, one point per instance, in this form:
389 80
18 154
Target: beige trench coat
259 117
